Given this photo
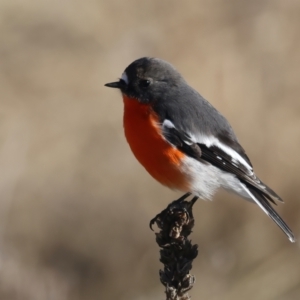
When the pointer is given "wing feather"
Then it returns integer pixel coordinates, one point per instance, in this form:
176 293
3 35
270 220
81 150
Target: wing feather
209 151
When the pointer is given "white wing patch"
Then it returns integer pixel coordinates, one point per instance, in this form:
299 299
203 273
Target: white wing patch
213 141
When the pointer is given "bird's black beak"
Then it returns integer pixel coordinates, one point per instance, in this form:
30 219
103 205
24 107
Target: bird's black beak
115 85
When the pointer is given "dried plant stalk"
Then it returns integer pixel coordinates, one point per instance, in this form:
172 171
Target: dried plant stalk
177 252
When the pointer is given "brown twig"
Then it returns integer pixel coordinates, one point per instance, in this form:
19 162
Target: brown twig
177 252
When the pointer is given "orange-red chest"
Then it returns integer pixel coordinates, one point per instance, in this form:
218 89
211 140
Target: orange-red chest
143 134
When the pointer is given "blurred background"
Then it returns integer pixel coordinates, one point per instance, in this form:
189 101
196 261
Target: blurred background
75 204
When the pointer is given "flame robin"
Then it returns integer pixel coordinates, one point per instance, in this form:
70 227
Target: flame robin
183 141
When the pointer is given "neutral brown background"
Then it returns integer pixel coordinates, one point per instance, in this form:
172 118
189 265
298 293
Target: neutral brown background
75 204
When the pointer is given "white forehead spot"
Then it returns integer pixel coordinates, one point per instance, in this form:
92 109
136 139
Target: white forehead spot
125 77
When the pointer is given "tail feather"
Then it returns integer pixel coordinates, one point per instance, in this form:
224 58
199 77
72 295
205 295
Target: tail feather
260 199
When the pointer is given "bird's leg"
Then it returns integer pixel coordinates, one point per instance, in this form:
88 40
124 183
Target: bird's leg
182 198
173 206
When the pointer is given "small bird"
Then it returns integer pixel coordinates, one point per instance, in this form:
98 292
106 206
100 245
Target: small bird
183 141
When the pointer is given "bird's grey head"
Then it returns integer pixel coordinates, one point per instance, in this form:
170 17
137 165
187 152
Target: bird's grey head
148 79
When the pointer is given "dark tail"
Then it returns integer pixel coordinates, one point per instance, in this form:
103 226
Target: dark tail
262 201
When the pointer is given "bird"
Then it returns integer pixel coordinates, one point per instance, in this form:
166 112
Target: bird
183 141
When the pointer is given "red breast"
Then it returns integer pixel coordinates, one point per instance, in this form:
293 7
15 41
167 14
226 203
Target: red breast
143 134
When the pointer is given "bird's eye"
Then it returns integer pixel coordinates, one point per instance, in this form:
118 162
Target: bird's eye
144 83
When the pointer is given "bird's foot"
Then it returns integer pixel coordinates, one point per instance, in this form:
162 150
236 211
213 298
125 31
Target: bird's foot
179 207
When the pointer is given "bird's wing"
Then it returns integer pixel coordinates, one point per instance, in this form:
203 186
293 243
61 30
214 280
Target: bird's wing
211 150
